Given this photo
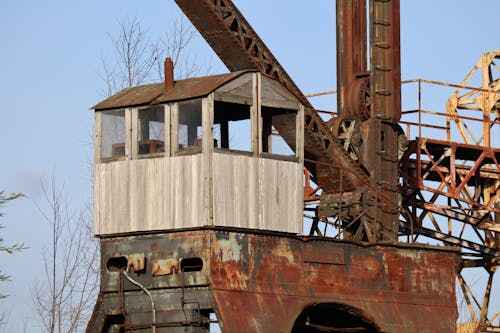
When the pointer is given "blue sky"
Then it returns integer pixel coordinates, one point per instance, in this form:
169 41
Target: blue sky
49 65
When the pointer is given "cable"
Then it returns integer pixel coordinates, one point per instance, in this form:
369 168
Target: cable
147 293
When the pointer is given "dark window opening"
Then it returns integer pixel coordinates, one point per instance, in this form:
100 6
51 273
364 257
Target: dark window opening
194 264
330 317
232 126
279 131
151 131
116 264
114 324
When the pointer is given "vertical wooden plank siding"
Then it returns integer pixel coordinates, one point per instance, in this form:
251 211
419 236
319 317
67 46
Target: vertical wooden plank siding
257 193
255 217
207 150
149 194
170 193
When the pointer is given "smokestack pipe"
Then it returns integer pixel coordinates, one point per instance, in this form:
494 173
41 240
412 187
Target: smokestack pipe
169 73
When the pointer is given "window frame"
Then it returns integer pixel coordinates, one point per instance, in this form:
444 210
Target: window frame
166 133
225 137
171 127
175 117
98 136
270 153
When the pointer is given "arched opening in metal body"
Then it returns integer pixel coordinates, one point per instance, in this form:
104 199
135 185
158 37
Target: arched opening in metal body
333 317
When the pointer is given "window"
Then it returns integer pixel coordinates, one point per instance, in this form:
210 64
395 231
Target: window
113 134
232 126
151 131
189 133
279 131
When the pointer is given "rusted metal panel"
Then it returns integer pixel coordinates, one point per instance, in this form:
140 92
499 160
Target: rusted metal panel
132 312
274 278
165 266
323 253
156 93
197 87
141 95
265 282
157 250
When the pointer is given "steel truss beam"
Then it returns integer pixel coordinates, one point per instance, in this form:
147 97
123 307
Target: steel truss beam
239 47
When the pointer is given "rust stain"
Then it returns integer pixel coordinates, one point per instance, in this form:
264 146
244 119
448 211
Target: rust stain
281 283
156 93
136 261
165 266
390 284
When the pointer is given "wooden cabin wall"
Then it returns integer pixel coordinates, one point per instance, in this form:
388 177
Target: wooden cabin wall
205 189
168 193
257 193
149 194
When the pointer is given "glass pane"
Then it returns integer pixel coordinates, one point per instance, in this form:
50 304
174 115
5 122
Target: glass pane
151 131
279 131
189 129
113 133
232 126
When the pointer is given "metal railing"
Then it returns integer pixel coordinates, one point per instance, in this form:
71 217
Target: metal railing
463 124
458 123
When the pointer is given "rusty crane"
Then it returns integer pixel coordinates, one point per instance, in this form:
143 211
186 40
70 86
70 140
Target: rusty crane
195 231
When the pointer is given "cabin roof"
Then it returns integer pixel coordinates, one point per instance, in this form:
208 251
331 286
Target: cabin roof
155 93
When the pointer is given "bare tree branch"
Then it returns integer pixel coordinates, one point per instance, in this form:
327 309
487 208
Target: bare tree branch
175 46
134 57
63 300
108 75
140 60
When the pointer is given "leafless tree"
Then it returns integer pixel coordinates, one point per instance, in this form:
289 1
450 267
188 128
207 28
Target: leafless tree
134 57
7 248
64 297
139 60
175 45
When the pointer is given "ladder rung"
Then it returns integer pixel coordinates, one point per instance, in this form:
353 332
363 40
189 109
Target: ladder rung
382 22
382 68
383 45
383 92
